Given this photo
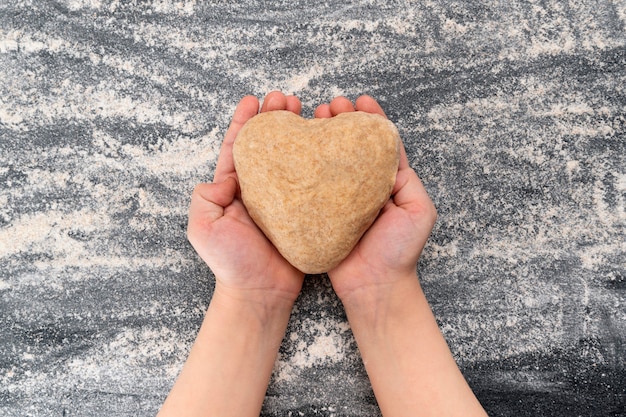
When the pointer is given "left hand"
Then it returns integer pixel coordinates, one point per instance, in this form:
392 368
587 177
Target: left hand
245 263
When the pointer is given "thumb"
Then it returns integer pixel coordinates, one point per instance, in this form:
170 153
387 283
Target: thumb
410 194
209 200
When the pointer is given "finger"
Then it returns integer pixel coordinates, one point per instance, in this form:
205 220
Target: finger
274 101
368 104
293 104
340 105
246 109
323 111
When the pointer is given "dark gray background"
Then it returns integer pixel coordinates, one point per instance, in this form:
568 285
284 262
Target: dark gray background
513 114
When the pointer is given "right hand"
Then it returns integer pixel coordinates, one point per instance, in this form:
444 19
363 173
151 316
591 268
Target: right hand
390 248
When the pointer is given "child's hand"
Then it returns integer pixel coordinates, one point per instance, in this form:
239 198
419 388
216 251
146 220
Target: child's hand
246 265
389 250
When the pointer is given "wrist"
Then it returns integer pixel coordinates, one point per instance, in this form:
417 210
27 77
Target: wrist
264 306
379 305
372 287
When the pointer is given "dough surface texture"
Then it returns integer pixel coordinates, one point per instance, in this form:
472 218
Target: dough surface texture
314 186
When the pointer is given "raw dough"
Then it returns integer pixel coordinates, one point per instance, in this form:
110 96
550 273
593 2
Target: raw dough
314 186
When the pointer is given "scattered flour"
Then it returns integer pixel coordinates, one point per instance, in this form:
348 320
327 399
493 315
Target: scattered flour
319 343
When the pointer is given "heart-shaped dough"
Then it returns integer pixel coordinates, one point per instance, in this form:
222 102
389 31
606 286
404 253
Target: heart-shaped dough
314 186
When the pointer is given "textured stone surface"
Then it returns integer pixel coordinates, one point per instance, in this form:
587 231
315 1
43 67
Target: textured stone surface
513 115
314 186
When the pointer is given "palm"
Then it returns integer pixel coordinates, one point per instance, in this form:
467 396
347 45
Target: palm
384 246
240 255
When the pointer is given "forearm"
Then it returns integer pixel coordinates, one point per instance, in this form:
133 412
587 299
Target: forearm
407 359
231 361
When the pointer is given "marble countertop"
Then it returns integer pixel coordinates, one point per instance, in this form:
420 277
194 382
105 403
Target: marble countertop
513 115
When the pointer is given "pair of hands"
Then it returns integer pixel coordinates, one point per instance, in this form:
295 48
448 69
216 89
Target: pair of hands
410 366
246 264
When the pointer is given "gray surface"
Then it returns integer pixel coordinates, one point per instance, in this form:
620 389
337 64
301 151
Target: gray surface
514 115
